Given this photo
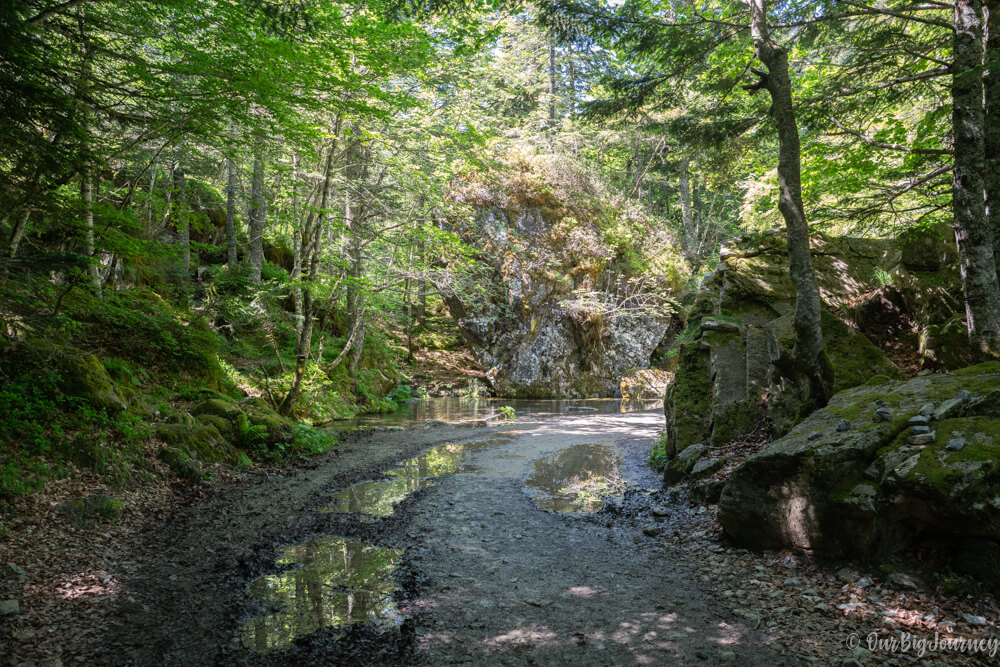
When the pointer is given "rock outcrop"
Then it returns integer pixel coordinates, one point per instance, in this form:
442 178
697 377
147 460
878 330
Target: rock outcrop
882 466
726 383
576 290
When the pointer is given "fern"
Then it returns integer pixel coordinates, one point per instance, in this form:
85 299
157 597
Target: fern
250 436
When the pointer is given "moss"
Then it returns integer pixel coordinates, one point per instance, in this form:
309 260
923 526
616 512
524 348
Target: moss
216 407
83 376
224 426
181 464
199 441
877 380
987 368
855 359
690 394
940 469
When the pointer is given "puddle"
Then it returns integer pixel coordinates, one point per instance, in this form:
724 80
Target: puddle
581 478
333 583
380 497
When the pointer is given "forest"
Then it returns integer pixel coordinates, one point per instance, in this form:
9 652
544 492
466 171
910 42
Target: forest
335 331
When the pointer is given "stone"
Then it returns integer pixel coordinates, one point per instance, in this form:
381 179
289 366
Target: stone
902 581
652 531
864 582
922 438
815 436
920 430
843 426
948 408
707 492
973 620
13 572
83 376
866 493
707 467
10 608
918 419
882 415
955 444
851 662
645 383
692 453
927 409
847 575
729 379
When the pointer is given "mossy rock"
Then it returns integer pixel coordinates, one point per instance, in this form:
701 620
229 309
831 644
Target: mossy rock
216 407
870 490
278 428
224 426
200 441
179 417
181 464
83 376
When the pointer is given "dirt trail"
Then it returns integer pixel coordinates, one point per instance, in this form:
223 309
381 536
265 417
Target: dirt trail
486 576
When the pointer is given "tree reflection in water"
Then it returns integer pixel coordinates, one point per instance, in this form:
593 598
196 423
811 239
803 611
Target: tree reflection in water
581 478
333 582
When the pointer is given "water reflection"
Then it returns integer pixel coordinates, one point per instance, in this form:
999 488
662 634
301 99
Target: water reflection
581 478
481 410
380 497
335 582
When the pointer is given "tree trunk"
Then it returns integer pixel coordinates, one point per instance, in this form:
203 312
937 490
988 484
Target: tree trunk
182 219
311 245
552 81
972 233
231 212
257 213
87 198
687 218
19 226
807 355
992 125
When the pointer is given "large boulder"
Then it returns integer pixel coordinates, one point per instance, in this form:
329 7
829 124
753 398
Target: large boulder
554 324
879 467
727 382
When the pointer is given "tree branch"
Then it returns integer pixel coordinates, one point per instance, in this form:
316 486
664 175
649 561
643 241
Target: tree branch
895 147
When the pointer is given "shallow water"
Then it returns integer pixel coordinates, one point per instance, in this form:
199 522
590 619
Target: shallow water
480 411
334 582
380 497
582 478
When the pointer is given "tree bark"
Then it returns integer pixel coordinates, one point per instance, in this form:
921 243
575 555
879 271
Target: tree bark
992 125
87 199
257 213
972 233
807 354
552 81
231 212
182 219
687 218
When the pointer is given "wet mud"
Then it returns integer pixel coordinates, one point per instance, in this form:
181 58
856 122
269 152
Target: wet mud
522 544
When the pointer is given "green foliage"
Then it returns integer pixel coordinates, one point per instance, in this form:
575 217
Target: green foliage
950 582
508 413
658 459
249 436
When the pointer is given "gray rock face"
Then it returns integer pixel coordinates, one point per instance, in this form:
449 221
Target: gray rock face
742 323
544 331
9 608
870 491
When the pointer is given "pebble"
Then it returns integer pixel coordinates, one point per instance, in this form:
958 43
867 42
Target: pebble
10 608
902 581
974 620
843 425
918 420
882 415
920 430
651 531
922 439
955 444
659 511
816 435
864 582
15 572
